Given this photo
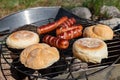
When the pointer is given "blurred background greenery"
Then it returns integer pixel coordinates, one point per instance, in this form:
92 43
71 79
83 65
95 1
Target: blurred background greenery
9 6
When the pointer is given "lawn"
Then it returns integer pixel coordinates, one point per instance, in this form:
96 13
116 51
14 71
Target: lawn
10 6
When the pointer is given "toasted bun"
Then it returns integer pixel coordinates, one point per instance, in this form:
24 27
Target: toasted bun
90 49
22 39
39 56
98 31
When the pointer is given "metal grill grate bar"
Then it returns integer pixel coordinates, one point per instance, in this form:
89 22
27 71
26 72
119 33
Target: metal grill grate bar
66 62
113 51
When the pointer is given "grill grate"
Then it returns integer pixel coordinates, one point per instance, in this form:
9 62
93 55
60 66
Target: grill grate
66 65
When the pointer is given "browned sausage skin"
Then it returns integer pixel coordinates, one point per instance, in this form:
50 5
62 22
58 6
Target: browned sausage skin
65 26
73 33
51 26
64 29
56 42
68 22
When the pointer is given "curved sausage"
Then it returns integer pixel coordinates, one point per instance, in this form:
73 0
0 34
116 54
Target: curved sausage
56 42
64 29
74 33
51 26
68 22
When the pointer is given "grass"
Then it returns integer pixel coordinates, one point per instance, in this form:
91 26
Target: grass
9 6
95 5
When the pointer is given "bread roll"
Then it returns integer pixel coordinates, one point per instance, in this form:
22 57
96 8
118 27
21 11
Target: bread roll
39 56
90 49
22 39
98 31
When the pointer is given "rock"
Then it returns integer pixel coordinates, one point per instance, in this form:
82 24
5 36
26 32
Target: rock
111 22
82 12
111 11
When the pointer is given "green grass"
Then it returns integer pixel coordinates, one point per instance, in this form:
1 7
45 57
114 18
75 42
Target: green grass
95 5
9 6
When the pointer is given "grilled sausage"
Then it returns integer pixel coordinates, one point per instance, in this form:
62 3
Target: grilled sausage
64 29
56 42
74 33
68 22
51 26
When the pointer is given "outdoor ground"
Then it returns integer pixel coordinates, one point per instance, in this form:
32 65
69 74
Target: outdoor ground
10 6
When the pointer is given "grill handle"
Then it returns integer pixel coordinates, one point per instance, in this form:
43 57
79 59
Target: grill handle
2 33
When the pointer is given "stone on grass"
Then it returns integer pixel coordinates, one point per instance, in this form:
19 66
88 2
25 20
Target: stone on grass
82 12
111 11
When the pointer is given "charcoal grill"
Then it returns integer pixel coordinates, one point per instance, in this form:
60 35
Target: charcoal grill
67 65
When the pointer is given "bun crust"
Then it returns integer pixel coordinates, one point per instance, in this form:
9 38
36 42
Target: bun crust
39 56
22 39
98 31
90 49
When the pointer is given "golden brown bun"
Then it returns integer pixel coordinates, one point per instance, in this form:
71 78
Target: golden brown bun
39 56
22 39
98 31
90 49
